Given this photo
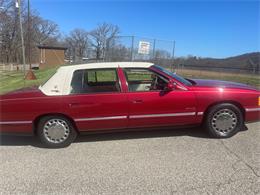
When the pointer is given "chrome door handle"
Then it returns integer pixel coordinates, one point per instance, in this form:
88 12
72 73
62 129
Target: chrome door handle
137 101
73 104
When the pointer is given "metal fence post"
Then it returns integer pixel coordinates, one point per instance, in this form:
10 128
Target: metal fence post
132 48
173 51
154 43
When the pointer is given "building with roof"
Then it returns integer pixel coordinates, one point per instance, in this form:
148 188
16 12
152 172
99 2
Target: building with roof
50 56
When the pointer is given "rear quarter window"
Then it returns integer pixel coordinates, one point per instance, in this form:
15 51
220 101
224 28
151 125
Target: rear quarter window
94 81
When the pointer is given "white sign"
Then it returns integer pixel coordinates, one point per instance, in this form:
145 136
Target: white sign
16 4
144 47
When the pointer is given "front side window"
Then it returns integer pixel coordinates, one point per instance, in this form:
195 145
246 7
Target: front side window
175 76
144 80
94 81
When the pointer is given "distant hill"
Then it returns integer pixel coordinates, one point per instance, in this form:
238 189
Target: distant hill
249 62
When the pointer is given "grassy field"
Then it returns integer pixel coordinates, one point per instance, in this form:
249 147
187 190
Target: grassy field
10 81
249 79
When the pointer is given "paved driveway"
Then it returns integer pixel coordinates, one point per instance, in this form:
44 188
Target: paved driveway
158 162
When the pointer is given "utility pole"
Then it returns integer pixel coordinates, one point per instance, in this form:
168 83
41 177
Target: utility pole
30 75
28 36
18 5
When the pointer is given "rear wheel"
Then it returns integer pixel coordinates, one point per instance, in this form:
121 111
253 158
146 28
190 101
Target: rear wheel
56 131
224 120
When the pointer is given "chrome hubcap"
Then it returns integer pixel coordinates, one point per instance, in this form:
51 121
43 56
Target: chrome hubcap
224 121
56 130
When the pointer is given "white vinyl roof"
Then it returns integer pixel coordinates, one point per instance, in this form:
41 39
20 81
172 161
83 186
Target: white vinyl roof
59 83
108 65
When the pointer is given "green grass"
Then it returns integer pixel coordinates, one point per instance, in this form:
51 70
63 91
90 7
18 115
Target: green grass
101 76
10 81
249 79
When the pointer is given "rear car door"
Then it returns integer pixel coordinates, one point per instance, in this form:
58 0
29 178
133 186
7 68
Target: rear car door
151 105
96 100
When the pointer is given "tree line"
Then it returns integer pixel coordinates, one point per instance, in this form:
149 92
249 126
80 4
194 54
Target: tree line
39 31
101 43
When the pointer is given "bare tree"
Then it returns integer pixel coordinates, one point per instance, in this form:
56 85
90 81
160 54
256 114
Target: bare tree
102 38
77 43
41 31
254 66
119 52
8 30
162 54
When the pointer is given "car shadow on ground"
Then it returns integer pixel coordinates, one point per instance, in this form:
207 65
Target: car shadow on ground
198 132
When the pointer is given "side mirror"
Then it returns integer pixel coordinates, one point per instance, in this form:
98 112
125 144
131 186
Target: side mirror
170 86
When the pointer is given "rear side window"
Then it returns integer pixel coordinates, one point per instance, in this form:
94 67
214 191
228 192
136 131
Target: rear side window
101 75
94 81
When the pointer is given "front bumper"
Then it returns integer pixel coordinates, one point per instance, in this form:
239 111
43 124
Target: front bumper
252 114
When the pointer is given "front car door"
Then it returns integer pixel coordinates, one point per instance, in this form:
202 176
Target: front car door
96 100
151 105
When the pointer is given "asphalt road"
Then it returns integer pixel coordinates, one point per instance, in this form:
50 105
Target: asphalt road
179 161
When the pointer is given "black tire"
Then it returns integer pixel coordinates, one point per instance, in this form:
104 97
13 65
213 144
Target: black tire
50 127
223 120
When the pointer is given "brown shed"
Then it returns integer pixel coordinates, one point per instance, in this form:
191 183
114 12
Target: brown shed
51 56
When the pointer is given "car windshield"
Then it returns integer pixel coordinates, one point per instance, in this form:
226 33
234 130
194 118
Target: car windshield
174 75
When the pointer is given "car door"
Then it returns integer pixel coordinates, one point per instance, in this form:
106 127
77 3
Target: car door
152 106
96 101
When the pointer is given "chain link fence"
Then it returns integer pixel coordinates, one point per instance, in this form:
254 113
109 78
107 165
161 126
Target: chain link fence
133 48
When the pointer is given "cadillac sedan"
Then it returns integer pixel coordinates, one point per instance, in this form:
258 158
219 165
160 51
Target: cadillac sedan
103 97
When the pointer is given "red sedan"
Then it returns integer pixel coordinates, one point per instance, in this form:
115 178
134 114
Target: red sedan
101 97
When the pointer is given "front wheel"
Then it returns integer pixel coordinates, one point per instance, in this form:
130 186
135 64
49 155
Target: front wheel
224 120
56 131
